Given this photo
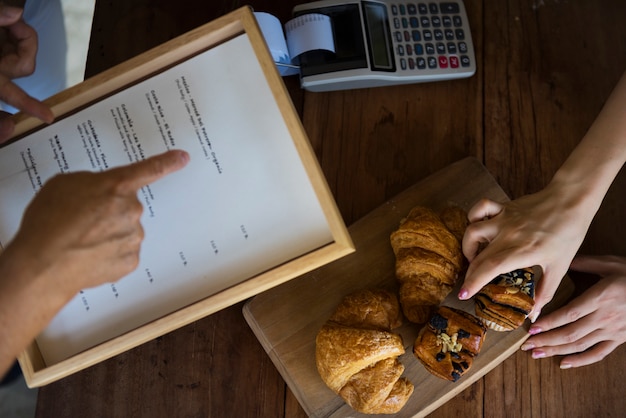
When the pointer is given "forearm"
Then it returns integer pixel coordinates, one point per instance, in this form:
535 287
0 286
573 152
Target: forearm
590 169
28 301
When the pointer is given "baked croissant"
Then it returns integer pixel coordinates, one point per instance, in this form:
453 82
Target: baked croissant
455 219
428 258
448 343
505 303
356 354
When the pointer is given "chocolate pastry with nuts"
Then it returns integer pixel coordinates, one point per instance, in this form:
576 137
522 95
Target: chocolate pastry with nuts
448 343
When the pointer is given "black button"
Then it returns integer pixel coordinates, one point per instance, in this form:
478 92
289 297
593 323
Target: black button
458 22
441 48
451 48
449 8
449 33
447 22
436 21
428 35
462 47
411 9
465 61
438 34
460 35
421 63
425 21
432 62
433 8
423 9
430 49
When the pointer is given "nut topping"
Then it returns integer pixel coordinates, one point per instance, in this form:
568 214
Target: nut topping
449 343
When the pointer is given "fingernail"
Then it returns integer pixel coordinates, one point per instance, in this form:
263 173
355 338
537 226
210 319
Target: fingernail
564 366
538 354
184 155
534 330
463 294
10 11
533 316
527 346
48 117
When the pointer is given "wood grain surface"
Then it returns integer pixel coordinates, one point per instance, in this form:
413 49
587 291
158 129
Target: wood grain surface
545 67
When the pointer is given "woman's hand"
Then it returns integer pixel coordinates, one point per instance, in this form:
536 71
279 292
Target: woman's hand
543 229
590 326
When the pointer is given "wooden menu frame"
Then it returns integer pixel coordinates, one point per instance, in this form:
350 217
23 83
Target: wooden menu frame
241 21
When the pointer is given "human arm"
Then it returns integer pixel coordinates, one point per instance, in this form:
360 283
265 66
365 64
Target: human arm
590 326
18 49
80 230
547 228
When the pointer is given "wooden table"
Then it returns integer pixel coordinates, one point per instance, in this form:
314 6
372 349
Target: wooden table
545 68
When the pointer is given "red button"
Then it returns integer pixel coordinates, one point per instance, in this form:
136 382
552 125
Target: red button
443 62
454 62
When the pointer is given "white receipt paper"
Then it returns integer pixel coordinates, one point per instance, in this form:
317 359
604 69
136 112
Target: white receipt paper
301 34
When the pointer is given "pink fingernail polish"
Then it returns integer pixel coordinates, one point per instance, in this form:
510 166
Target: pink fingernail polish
463 294
534 330
527 346
538 354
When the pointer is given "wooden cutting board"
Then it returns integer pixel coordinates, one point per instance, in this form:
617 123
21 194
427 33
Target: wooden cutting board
287 318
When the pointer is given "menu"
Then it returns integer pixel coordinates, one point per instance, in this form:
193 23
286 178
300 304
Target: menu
242 205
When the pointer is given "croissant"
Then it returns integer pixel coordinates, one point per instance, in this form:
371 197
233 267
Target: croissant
356 353
427 247
455 220
505 303
448 343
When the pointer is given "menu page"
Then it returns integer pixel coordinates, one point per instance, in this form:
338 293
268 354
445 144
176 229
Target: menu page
243 204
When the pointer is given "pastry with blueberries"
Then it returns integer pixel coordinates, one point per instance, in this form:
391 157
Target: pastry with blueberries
448 343
505 303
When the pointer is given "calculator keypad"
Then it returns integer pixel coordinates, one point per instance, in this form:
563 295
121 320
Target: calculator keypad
430 36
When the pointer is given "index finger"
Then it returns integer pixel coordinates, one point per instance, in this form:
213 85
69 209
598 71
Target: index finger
11 94
488 265
142 173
